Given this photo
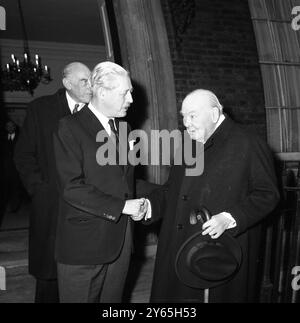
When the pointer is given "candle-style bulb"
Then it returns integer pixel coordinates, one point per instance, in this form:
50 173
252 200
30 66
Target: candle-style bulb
37 60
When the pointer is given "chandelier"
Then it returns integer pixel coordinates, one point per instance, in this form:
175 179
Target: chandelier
27 74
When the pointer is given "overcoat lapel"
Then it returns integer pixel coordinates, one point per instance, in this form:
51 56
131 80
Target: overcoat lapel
215 141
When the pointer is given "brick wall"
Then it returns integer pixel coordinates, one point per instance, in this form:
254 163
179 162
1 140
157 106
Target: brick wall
219 53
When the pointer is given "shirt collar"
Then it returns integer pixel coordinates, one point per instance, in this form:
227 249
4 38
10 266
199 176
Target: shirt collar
101 117
11 136
72 102
220 121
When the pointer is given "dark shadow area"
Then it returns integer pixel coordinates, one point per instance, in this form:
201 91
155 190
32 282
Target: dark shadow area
137 114
113 28
3 120
134 272
280 239
136 117
13 194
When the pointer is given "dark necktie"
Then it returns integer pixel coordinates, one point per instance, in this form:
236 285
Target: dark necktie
114 131
115 134
75 108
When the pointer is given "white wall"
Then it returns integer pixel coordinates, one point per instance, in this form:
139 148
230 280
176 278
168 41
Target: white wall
55 55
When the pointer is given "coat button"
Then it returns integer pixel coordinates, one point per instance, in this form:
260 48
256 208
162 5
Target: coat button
179 226
185 197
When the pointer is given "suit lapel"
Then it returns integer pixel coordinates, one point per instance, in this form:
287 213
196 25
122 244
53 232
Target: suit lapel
215 141
90 122
94 125
61 107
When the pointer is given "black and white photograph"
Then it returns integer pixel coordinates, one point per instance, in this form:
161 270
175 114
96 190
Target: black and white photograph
150 154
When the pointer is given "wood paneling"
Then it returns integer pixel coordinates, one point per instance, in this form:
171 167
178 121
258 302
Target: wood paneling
279 54
145 53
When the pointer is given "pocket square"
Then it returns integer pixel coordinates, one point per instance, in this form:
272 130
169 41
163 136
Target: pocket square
131 144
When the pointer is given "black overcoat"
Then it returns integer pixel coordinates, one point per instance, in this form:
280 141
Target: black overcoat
34 158
238 178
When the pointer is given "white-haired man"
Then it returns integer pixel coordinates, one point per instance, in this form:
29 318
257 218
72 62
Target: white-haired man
34 158
94 232
238 186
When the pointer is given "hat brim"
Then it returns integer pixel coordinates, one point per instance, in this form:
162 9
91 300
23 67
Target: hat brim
190 278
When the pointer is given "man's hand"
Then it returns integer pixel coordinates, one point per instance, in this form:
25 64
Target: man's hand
136 208
216 225
142 211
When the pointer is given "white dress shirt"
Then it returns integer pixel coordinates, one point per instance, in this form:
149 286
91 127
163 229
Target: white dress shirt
72 103
11 136
102 118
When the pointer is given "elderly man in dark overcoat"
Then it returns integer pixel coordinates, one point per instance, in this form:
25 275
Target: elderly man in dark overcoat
238 186
34 158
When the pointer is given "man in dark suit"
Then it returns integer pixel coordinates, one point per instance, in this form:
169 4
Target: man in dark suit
94 226
12 186
34 157
238 186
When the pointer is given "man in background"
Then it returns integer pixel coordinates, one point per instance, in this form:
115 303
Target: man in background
12 187
34 158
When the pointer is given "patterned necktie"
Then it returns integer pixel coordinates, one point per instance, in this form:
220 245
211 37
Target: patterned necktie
75 108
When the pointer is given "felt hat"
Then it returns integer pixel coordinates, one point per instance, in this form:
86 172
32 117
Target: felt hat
202 262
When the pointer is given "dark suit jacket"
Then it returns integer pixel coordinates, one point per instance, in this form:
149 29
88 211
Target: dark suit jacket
34 158
91 228
238 178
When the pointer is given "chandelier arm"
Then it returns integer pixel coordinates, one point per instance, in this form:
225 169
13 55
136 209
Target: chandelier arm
25 37
24 75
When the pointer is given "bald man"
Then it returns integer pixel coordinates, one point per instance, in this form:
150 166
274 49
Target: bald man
238 186
34 158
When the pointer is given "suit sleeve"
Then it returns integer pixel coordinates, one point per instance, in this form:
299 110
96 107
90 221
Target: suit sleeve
263 190
72 184
158 197
25 155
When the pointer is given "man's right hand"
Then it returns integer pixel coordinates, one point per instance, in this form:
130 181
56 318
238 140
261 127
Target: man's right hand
134 207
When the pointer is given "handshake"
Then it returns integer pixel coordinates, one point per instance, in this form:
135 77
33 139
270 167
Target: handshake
136 209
